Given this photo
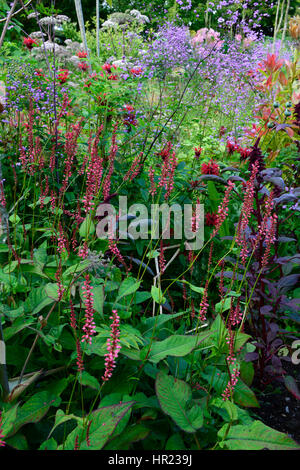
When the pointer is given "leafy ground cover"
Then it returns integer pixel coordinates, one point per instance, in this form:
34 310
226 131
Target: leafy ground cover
117 333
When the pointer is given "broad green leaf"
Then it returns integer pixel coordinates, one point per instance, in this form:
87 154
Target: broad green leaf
87 227
256 436
103 423
175 442
131 434
175 345
157 295
98 292
34 409
8 419
61 417
86 379
50 444
128 286
174 397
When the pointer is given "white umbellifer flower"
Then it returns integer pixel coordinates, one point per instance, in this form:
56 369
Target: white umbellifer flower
109 24
140 18
34 14
144 19
37 35
63 19
51 46
135 13
120 63
47 21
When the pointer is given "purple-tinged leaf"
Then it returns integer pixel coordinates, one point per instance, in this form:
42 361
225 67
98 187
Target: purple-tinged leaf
286 282
292 386
215 178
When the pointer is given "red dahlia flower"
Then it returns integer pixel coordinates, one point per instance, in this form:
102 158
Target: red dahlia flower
82 54
210 168
136 72
232 147
211 219
29 43
112 77
108 67
83 66
198 151
63 75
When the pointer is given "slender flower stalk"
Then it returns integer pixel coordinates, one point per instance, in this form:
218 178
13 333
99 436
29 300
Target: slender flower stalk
113 346
223 209
89 326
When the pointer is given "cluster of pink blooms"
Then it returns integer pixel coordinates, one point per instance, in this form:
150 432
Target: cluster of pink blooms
162 261
83 251
113 346
235 147
166 179
71 150
152 182
134 169
2 442
89 326
207 38
236 314
115 251
246 212
270 239
226 395
44 192
73 324
94 173
204 304
223 209
60 286
2 195
61 241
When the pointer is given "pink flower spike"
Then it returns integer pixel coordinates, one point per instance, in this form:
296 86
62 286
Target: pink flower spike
113 346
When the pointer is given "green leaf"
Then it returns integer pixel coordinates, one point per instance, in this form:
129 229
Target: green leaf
8 418
34 409
174 397
175 345
175 442
227 409
292 387
131 434
223 305
257 436
103 423
86 379
50 444
128 286
61 417
98 292
157 295
247 372
87 227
